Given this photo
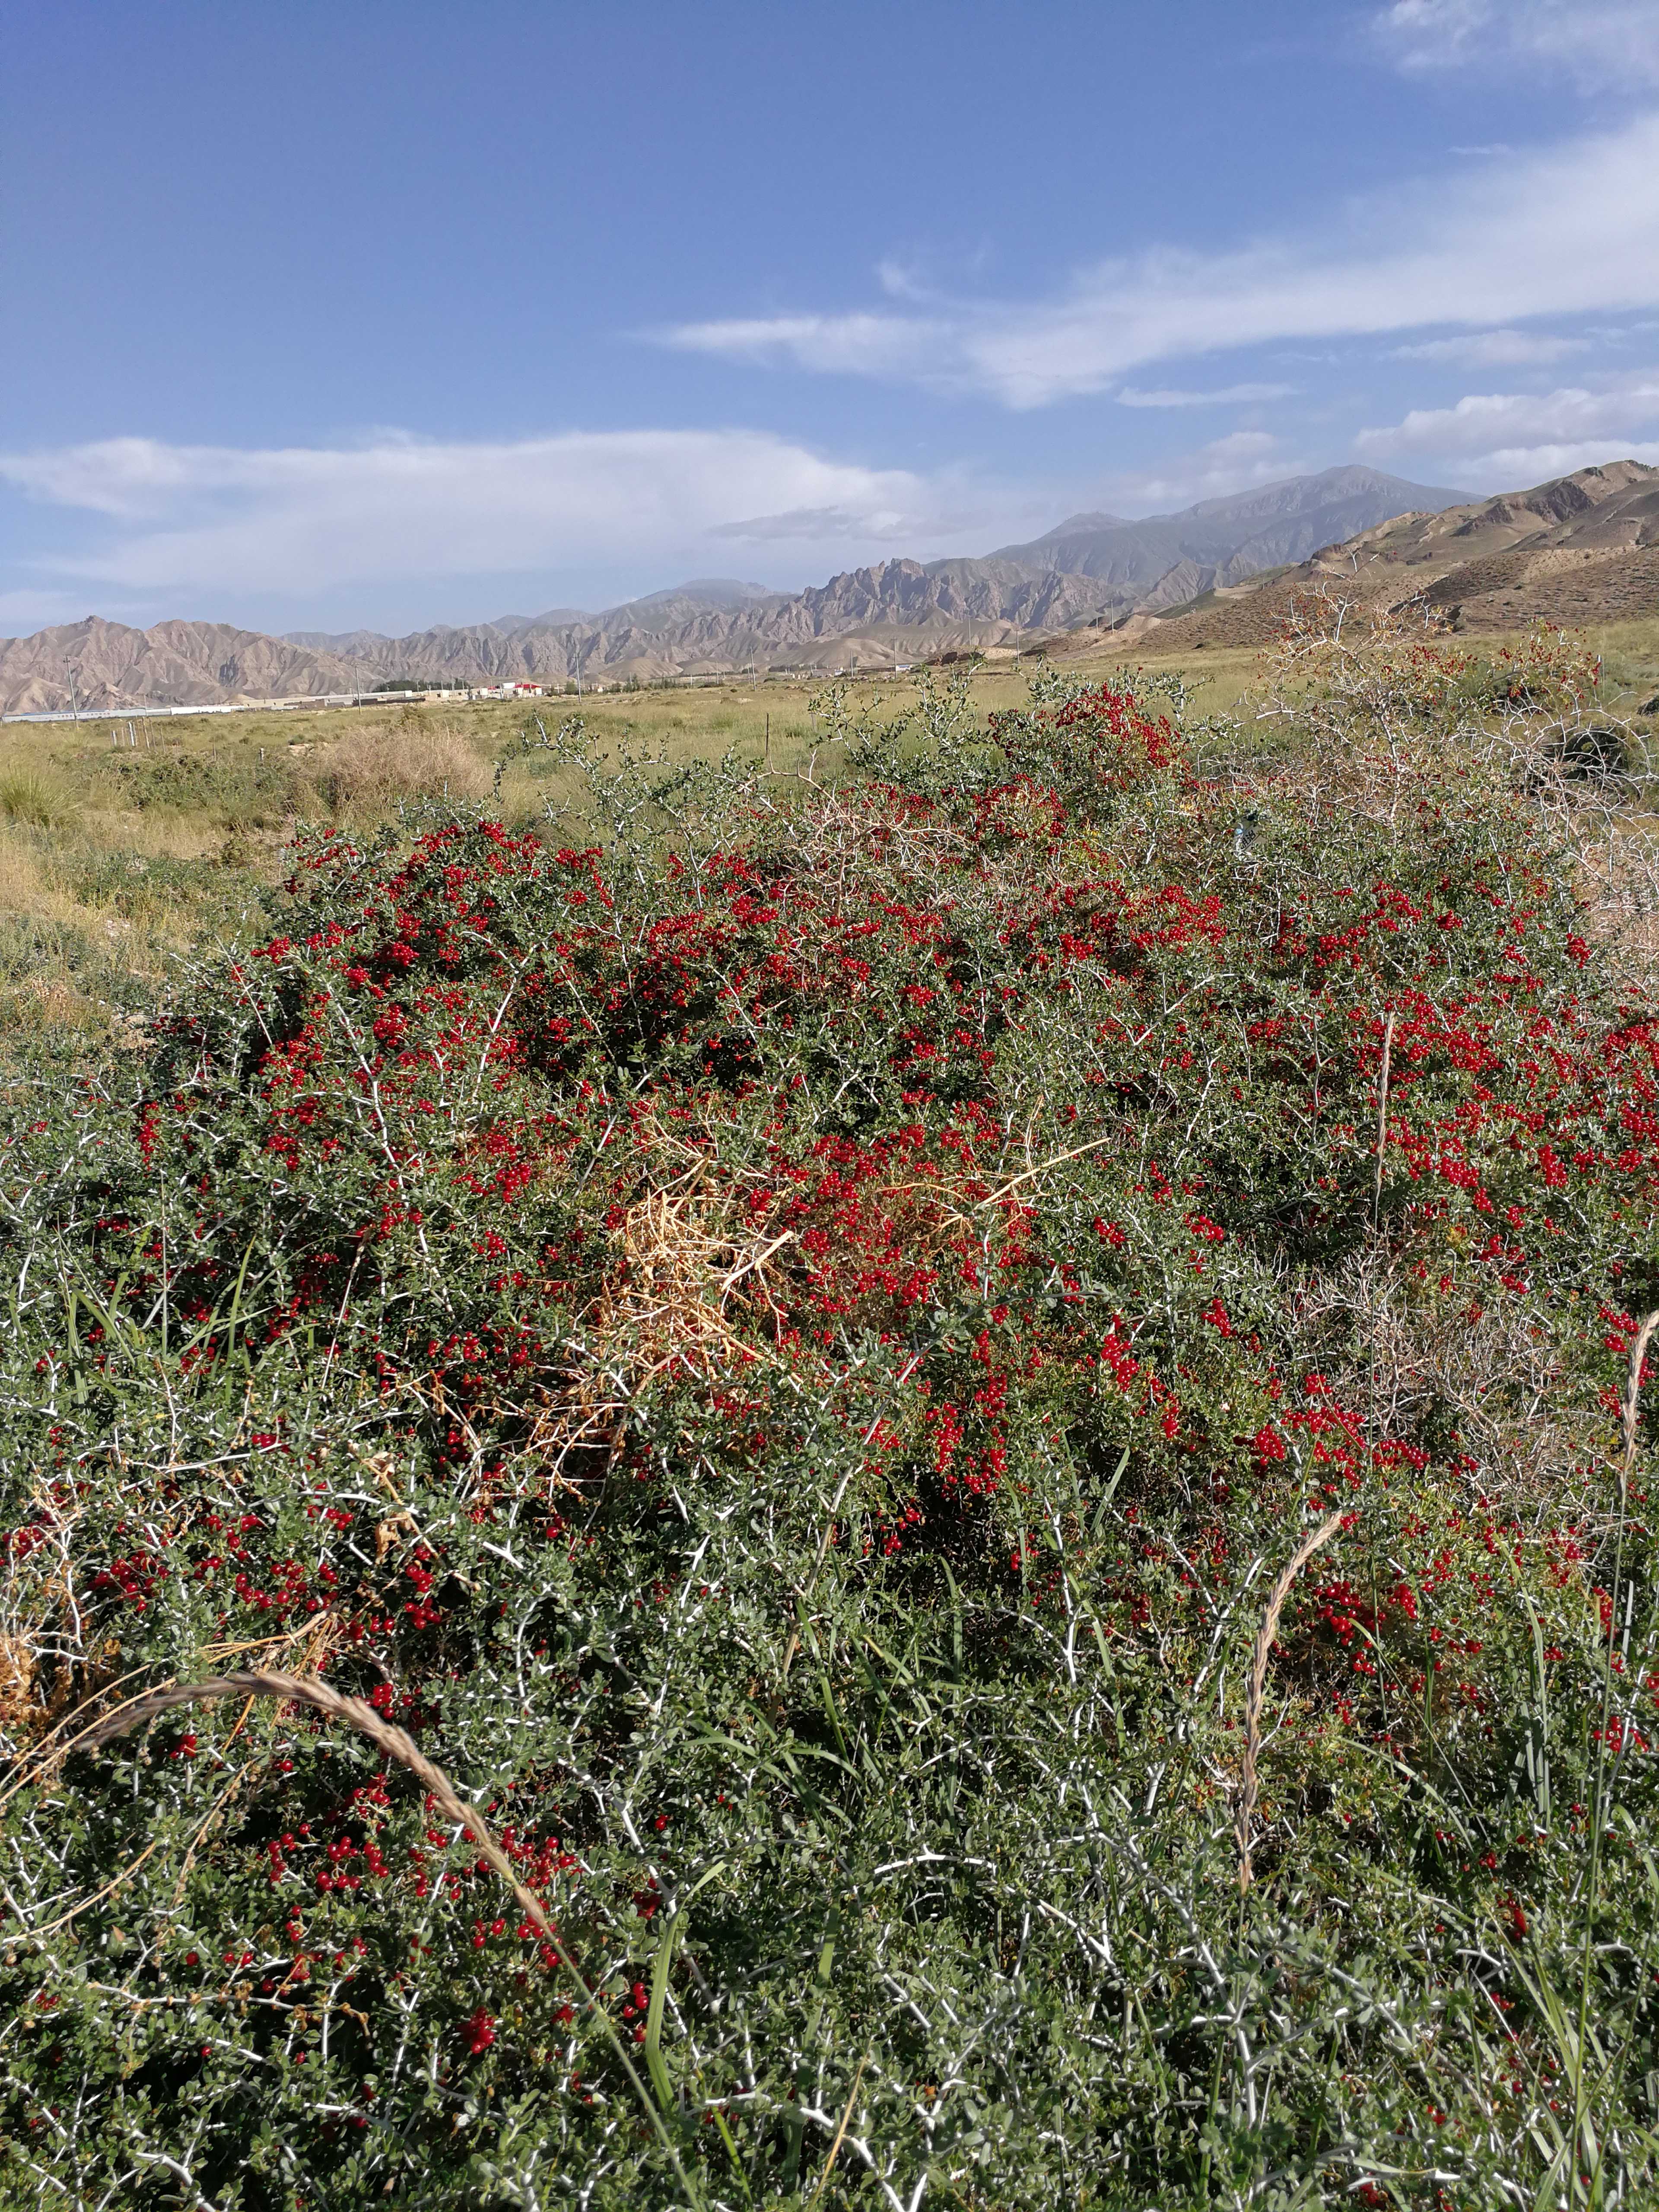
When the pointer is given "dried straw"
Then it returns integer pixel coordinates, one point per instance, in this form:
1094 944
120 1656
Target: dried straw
694 1277
1249 1783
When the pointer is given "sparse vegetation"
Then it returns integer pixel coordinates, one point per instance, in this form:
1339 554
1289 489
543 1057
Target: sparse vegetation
794 1326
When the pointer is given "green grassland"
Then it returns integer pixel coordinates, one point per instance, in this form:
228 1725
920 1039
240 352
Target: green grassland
114 856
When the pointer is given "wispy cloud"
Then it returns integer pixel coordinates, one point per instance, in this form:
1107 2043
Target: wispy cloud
28 610
1494 349
1571 414
1229 395
903 347
303 518
1567 229
816 526
1600 43
1490 439
1239 462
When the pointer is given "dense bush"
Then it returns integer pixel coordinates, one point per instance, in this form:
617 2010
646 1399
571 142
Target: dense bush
786 1341
237 789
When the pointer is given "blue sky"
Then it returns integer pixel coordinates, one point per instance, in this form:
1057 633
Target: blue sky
324 315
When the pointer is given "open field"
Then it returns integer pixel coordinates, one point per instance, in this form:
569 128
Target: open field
111 858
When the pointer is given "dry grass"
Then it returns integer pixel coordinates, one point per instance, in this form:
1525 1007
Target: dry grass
154 835
371 771
61 952
28 795
1630 1409
17 1703
26 886
693 1266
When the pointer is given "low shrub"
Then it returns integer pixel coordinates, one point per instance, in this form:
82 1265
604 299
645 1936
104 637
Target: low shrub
371 770
33 799
785 1346
237 789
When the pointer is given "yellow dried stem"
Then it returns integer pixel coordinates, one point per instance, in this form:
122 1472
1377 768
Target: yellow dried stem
1250 1781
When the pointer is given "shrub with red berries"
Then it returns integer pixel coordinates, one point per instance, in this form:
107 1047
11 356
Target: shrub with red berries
783 1332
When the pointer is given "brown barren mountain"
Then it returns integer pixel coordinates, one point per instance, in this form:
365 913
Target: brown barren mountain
865 618
1166 558
1581 549
97 665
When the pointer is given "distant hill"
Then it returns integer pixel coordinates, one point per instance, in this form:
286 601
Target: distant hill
658 609
1580 549
862 618
1166 559
725 592
1091 567
100 665
513 623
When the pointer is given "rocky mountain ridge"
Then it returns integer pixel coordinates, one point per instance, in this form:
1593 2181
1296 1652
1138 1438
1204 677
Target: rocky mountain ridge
1581 548
97 665
1091 566
1166 558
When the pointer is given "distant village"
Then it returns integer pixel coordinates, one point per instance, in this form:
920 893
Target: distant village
477 691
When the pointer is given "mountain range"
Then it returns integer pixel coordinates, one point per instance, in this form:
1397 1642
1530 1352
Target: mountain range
1583 548
1089 567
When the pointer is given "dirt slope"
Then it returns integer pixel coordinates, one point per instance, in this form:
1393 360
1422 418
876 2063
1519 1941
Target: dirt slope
1581 549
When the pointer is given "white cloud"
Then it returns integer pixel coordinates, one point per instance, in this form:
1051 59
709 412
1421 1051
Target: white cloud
816 526
1600 43
1238 462
1568 230
1496 439
1514 468
302 520
1481 422
1494 349
870 344
32 610
1129 397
